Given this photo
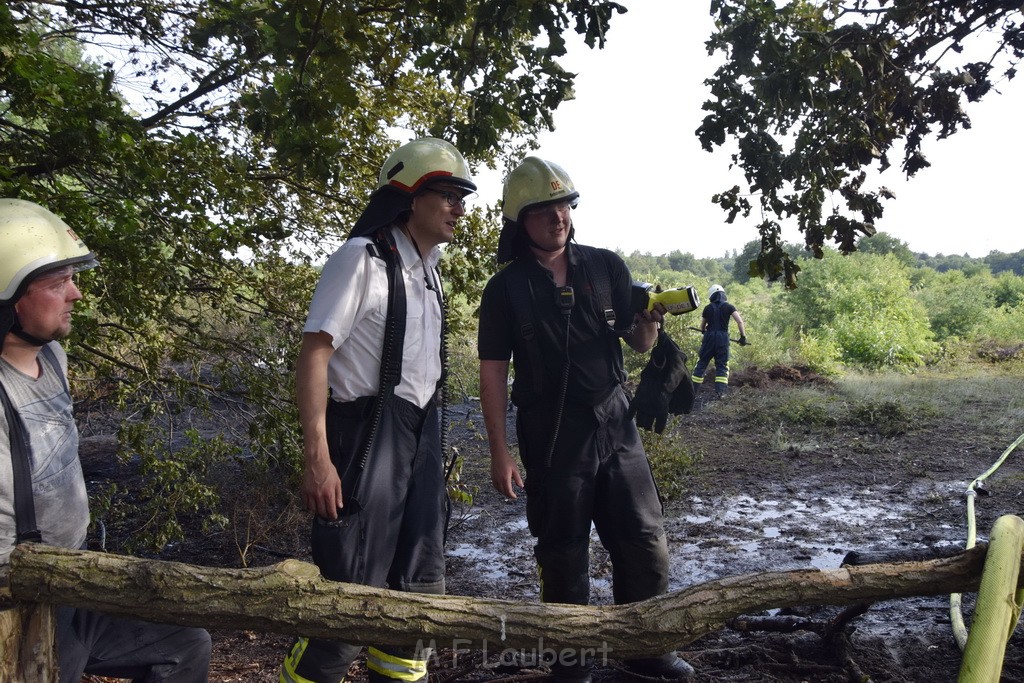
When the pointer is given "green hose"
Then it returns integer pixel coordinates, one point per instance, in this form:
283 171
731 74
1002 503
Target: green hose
998 606
956 615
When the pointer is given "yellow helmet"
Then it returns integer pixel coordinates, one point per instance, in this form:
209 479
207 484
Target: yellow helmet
421 161
34 240
535 182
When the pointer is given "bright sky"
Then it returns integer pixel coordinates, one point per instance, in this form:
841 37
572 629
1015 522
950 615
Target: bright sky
628 143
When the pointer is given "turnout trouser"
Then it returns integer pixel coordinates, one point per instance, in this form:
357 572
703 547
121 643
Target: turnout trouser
714 345
599 473
389 533
105 645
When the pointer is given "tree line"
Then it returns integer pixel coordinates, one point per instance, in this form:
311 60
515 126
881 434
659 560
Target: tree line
882 307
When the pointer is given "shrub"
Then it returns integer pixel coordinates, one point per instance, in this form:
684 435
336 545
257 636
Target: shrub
863 306
671 460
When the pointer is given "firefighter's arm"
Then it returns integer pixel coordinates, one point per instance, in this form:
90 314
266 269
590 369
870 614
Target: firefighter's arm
739 322
494 403
644 333
321 485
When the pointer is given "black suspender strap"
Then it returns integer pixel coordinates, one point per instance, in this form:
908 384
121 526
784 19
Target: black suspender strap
522 297
439 292
601 280
24 502
384 247
51 358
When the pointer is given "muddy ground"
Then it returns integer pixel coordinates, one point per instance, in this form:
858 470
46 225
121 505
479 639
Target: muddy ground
766 493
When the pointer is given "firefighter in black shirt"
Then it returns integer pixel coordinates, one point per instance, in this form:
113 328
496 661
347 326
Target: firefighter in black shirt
558 309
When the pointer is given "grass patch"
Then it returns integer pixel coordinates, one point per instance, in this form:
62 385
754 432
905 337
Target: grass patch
888 417
781 441
994 398
672 461
796 407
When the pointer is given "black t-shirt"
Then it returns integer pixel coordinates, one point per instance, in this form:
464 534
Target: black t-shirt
595 352
718 316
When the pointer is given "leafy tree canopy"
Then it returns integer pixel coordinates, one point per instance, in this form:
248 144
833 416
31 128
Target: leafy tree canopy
1000 262
884 243
815 94
205 150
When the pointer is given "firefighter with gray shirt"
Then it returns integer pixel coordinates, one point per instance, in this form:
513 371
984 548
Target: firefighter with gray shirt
39 256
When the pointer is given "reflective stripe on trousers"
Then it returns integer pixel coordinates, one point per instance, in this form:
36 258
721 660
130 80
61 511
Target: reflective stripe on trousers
288 674
395 668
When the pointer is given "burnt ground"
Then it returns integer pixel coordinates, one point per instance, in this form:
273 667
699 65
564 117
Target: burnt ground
787 472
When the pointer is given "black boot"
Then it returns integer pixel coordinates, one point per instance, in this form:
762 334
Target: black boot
670 666
721 389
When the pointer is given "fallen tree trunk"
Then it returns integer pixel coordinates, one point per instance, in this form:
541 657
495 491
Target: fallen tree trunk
292 598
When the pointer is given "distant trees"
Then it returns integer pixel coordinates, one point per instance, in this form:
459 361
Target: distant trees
883 243
816 94
882 307
1000 262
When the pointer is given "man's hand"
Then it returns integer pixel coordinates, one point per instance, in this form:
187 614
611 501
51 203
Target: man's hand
504 474
645 329
743 340
321 488
655 315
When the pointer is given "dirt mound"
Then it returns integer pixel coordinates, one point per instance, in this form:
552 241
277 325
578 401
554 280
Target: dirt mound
999 353
754 376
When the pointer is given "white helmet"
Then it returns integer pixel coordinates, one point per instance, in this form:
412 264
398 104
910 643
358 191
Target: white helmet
423 161
34 240
715 289
535 182
408 171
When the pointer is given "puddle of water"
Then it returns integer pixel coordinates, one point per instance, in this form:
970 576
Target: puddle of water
724 536
740 534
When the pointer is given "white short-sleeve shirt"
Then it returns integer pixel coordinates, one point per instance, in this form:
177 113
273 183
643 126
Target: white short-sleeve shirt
351 303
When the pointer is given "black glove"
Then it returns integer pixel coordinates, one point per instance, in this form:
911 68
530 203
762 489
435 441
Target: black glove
684 395
663 374
743 340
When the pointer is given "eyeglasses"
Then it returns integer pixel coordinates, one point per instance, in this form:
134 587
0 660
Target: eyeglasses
559 209
57 280
452 198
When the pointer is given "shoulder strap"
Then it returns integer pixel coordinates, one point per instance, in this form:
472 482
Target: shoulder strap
24 502
383 247
51 358
601 279
521 294
438 289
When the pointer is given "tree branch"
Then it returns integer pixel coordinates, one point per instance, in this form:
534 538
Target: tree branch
292 598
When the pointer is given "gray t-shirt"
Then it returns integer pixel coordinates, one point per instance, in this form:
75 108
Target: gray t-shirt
61 502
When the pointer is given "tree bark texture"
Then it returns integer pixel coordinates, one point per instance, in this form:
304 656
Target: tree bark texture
292 598
27 652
